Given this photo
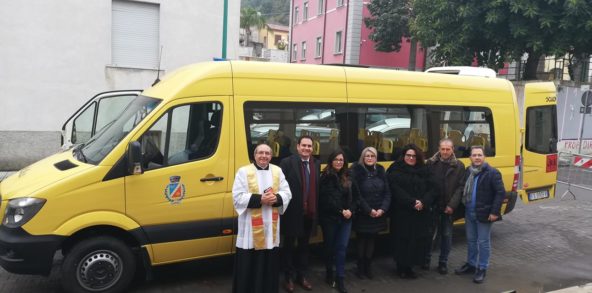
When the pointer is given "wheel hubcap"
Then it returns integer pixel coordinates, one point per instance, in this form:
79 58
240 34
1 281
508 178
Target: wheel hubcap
99 270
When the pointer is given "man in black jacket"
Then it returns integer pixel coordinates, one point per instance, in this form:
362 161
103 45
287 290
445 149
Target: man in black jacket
299 220
482 195
448 175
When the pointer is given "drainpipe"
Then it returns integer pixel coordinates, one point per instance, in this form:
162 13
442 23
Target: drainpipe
224 29
290 40
324 32
345 34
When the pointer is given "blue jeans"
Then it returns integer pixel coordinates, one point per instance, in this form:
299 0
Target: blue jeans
478 240
445 231
336 238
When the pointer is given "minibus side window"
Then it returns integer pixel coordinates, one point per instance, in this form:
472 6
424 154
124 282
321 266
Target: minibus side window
388 128
466 127
541 129
110 108
83 125
185 133
279 124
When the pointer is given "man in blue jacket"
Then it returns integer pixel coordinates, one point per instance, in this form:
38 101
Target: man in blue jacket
482 196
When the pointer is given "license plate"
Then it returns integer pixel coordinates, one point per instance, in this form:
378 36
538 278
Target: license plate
538 195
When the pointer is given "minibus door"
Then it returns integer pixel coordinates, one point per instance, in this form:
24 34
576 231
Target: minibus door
539 142
178 200
94 115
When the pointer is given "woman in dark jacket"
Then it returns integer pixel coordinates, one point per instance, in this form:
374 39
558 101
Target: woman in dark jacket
413 193
337 202
374 202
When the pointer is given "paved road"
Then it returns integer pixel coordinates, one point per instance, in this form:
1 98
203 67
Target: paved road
537 248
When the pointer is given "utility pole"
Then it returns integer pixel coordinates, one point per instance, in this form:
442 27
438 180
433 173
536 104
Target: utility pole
224 29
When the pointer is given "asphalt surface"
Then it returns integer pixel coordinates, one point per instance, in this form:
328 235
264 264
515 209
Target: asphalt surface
540 247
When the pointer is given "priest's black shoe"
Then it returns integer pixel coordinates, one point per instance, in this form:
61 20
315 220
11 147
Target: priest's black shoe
465 269
479 276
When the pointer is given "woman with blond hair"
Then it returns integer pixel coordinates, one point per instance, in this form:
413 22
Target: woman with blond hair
373 202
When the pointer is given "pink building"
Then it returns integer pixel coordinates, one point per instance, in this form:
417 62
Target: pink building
333 31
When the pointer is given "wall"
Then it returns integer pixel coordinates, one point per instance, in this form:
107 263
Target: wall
55 55
357 47
317 26
369 56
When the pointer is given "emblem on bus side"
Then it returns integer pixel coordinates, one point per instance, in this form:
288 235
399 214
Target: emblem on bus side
175 190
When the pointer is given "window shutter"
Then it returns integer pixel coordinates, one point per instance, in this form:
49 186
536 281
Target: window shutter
135 34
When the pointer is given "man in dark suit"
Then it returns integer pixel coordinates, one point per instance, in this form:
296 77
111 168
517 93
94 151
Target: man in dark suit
299 220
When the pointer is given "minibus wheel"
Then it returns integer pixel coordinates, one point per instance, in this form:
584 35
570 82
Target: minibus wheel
98 264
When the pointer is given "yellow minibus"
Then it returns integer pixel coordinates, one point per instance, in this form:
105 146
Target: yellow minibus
148 181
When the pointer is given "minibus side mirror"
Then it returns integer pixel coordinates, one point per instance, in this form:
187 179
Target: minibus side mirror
134 158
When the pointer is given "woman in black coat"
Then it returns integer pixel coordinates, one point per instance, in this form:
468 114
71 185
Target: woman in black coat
337 202
374 202
413 193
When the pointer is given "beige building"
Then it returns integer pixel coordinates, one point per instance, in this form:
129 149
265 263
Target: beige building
274 36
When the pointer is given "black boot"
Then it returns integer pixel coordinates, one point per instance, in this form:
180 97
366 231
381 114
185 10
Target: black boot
465 269
479 276
341 285
442 268
329 276
368 269
360 268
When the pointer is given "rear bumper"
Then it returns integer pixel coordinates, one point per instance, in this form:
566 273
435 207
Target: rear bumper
511 198
23 253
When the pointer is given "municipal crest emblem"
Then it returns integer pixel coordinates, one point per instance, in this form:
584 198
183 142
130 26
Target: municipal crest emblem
174 192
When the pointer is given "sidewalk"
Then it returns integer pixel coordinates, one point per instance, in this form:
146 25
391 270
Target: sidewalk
577 289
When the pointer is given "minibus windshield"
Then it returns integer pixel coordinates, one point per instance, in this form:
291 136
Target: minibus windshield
101 144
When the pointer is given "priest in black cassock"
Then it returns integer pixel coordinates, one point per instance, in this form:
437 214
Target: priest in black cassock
260 194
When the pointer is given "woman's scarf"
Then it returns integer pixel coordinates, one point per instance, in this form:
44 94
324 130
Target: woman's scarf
473 172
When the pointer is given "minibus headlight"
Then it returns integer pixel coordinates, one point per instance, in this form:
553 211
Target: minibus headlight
20 210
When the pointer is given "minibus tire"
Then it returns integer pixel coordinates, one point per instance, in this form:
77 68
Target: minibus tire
100 264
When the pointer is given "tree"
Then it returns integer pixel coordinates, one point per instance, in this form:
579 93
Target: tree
577 41
275 11
390 24
494 31
250 18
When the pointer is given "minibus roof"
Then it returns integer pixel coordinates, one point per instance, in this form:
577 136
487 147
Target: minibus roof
244 77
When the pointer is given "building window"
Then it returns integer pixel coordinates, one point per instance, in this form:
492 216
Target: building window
303 57
276 39
296 19
305 12
321 7
339 3
135 34
319 47
337 43
294 52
